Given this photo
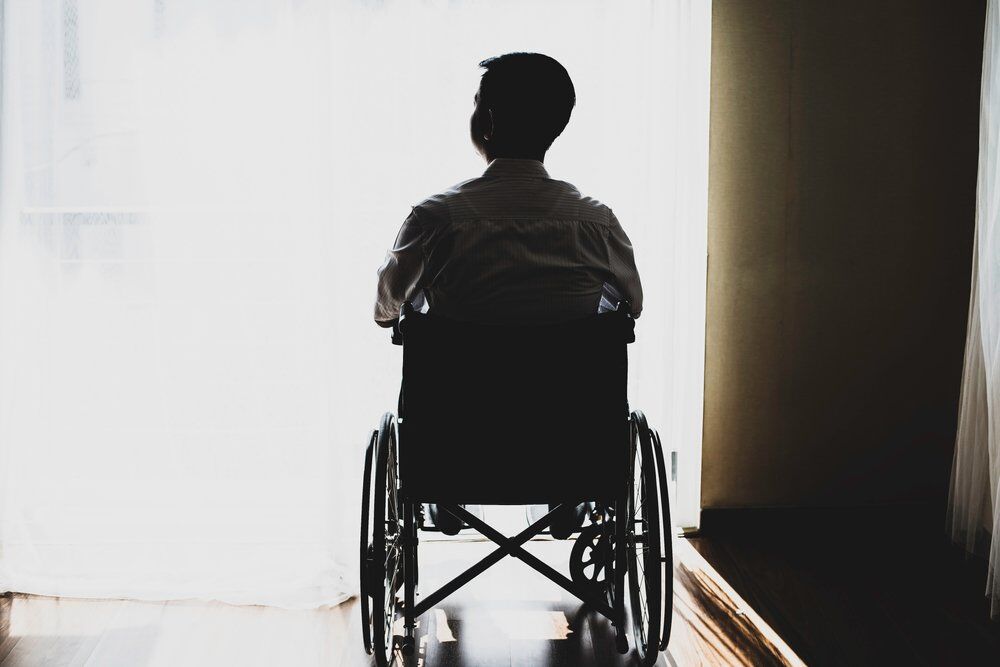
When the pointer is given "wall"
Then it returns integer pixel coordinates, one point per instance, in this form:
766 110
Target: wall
841 208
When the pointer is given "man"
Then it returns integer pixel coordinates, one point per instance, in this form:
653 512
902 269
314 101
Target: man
513 246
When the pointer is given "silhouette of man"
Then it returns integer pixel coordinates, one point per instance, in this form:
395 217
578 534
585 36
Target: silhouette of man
512 246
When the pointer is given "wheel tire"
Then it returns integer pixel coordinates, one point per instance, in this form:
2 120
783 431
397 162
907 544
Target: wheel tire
385 565
667 545
366 544
643 545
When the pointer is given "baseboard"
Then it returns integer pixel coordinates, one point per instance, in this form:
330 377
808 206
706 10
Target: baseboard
910 518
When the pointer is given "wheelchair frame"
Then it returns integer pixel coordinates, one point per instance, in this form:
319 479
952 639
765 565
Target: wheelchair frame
645 559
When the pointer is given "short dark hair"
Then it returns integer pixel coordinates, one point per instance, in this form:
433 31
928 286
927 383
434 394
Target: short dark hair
531 94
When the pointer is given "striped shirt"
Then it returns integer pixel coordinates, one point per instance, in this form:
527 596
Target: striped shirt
510 247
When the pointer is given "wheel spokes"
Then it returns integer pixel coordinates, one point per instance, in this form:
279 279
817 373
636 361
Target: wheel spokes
643 544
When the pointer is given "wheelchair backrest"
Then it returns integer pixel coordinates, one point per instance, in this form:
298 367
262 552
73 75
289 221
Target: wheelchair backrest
511 415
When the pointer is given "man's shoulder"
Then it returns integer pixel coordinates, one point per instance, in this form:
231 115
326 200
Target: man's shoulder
481 194
585 207
586 201
435 208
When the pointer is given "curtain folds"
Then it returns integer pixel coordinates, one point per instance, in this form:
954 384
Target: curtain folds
194 197
974 503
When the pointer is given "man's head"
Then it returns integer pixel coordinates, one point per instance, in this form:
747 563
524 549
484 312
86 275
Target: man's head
523 103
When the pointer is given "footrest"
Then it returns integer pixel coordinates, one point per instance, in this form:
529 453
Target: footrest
432 516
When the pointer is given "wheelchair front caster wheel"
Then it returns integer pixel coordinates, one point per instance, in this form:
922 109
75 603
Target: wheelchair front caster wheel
621 642
407 645
590 561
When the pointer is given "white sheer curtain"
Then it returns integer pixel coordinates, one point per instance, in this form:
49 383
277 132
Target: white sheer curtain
194 197
973 516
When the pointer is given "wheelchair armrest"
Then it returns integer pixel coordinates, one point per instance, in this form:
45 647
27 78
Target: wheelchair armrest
623 310
397 326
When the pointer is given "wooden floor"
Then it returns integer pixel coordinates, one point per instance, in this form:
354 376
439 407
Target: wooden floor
510 616
886 592
858 587
871 590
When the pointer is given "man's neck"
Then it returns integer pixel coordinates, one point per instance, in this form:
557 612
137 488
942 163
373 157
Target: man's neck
540 157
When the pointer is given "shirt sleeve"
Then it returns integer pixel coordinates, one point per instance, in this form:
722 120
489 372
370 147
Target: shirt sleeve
400 277
624 273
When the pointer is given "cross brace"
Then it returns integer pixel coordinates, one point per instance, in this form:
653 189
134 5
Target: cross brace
510 546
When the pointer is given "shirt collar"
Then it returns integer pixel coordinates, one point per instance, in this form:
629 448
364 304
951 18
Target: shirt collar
508 166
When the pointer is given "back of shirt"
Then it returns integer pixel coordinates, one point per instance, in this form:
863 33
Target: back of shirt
513 247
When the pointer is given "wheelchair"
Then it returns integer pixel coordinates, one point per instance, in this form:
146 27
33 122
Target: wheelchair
518 415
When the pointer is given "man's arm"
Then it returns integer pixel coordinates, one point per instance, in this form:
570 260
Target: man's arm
400 277
621 259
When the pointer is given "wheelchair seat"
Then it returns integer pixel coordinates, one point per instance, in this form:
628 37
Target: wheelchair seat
495 414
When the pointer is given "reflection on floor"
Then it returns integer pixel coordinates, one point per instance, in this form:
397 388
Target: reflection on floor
728 631
509 616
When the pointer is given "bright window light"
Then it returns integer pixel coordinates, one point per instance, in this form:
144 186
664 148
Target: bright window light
194 198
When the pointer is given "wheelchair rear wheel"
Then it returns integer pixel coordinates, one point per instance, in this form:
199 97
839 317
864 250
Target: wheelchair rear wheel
667 546
366 542
381 543
644 545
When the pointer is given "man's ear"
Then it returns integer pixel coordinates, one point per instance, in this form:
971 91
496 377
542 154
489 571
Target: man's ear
482 123
488 126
